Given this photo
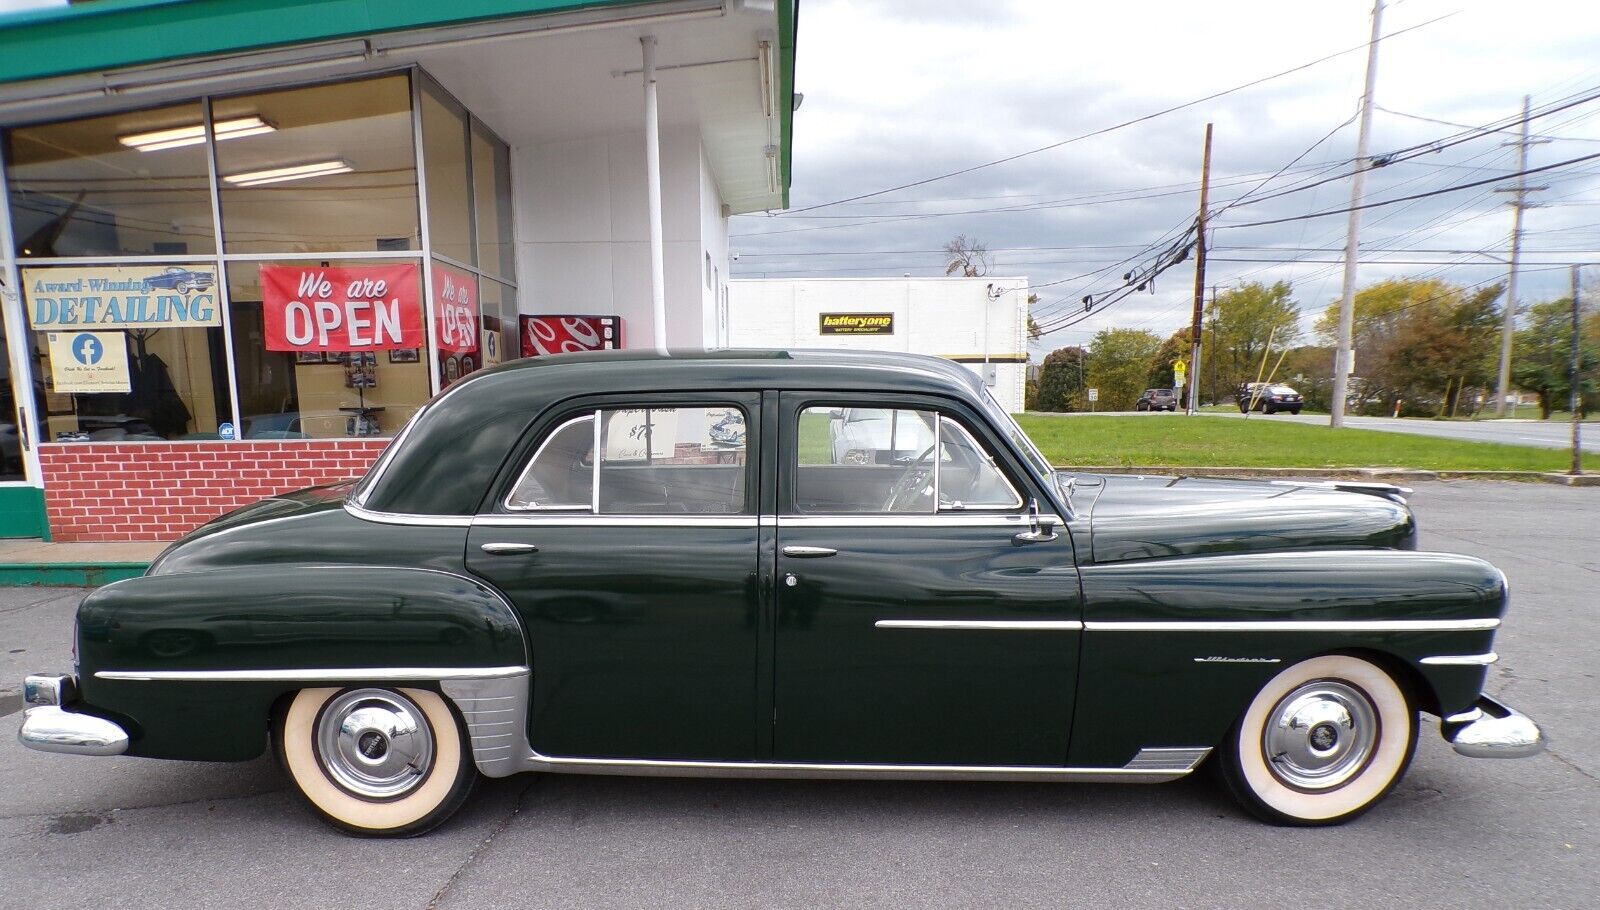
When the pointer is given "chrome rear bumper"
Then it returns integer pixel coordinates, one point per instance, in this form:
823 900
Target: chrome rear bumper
1493 730
49 727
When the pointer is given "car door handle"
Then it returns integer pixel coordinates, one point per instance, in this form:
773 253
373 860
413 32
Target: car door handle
508 549
808 552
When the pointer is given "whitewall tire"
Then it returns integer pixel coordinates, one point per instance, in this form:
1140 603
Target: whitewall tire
376 761
1321 743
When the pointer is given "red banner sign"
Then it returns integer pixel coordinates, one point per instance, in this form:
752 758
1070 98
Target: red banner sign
566 334
455 310
351 308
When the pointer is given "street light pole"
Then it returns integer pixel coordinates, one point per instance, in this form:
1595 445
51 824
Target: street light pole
1358 182
1576 380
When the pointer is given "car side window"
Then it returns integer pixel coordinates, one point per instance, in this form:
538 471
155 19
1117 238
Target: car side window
884 460
652 461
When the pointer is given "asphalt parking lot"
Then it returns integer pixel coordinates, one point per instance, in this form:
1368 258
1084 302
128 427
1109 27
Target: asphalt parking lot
120 832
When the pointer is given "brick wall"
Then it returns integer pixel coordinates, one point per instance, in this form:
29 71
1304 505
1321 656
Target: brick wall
161 490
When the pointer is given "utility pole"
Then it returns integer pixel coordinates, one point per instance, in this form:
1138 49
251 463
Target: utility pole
1576 380
1199 277
1518 203
1358 183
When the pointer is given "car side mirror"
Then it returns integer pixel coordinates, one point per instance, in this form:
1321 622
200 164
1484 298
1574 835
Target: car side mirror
1040 529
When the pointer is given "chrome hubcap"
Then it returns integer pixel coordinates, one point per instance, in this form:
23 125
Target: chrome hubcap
375 743
1320 735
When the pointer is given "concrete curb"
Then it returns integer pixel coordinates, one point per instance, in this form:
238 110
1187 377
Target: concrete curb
1394 475
67 574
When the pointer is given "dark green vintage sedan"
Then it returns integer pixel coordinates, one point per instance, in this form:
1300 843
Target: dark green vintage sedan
690 565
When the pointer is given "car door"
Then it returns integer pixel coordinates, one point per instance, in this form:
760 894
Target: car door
919 619
626 537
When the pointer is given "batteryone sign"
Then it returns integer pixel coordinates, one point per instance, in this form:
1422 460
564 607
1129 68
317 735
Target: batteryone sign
351 308
92 298
855 323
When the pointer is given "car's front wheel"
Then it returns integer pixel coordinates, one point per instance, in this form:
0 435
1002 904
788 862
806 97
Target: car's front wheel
374 761
1321 743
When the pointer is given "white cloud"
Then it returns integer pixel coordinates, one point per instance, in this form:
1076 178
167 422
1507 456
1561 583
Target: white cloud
896 92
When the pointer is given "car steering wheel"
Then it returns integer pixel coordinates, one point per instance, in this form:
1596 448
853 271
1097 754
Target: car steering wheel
908 486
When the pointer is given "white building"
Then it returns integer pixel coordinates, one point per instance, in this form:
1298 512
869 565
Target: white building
981 322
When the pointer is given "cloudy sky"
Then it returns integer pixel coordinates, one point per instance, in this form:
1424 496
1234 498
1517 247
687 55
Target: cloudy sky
896 92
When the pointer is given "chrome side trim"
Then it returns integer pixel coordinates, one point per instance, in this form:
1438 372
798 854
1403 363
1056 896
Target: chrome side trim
318 674
1462 660
1179 760
496 712
397 518
1295 625
993 625
587 520
945 519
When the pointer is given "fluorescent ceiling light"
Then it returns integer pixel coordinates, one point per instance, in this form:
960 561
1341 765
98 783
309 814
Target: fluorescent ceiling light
281 174
180 136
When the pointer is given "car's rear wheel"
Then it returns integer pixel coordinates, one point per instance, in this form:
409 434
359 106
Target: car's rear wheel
1321 743
374 761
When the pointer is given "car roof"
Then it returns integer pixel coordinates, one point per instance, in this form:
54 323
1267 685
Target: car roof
446 459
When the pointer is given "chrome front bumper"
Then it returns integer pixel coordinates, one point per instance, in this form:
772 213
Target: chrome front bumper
1493 730
49 727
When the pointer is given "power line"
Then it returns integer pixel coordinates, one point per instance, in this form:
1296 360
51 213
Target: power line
1117 126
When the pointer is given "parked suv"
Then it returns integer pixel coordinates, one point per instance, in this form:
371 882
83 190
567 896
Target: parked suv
1268 398
1157 400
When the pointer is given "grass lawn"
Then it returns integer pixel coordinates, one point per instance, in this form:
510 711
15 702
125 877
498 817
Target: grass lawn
1214 442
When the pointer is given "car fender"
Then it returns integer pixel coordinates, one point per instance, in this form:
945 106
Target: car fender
1174 649
192 663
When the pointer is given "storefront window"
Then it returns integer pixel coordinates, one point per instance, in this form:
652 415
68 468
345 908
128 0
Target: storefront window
500 340
336 171
444 151
322 353
457 326
491 192
127 352
128 183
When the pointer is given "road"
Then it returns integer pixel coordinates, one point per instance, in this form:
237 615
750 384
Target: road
1549 434
121 832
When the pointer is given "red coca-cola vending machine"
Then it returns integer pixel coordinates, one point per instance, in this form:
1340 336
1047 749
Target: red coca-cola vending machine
545 334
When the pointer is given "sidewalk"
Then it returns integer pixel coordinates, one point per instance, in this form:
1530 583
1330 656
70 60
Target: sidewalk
38 562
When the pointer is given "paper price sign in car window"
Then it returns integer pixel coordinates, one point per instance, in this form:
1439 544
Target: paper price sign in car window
641 435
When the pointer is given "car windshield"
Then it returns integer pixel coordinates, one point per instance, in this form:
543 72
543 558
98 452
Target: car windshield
1020 439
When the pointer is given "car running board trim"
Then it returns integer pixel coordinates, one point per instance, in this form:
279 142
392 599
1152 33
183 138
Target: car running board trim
496 711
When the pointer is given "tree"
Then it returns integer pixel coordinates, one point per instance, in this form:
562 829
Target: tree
1060 385
1119 365
1541 360
1034 332
1418 340
1240 322
968 257
1174 349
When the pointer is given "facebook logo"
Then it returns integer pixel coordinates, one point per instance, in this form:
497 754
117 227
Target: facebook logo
87 349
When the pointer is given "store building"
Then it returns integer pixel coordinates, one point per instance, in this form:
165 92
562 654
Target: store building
980 322
244 241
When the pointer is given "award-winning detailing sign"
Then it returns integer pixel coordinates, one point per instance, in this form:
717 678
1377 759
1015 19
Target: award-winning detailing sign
119 297
455 309
89 362
855 323
352 308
